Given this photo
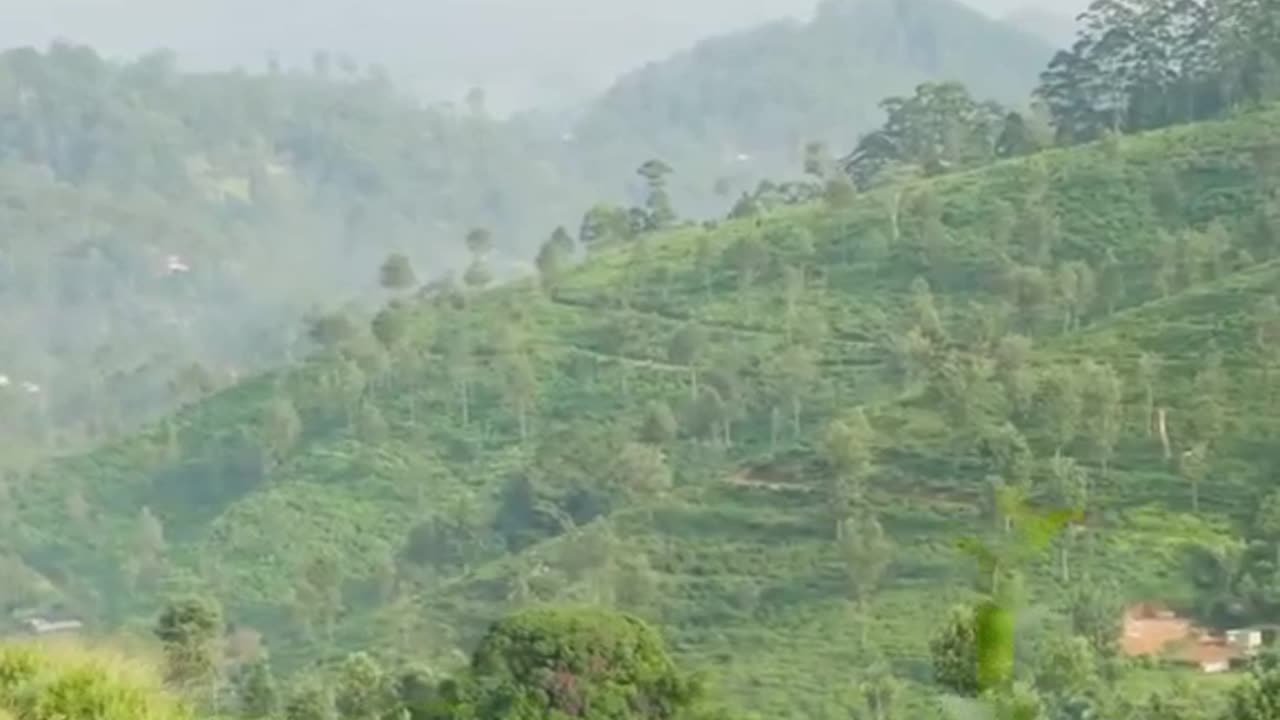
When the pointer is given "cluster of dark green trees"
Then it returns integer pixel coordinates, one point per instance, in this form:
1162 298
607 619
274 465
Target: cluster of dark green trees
538 663
1137 65
1145 64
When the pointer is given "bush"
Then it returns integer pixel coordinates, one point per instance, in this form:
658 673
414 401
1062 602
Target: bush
64 682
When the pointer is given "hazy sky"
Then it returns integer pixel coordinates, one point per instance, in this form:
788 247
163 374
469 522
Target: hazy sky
513 48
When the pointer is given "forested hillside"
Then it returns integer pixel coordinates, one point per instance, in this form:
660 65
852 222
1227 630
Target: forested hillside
711 427
746 104
148 212
901 439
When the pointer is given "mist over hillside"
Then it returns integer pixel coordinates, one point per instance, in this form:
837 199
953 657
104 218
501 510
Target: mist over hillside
524 53
331 166
882 365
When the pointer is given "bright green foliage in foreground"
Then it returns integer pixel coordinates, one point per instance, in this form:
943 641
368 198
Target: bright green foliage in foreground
763 437
69 683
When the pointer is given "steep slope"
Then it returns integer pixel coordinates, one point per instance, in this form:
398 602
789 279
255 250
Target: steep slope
147 213
650 432
763 94
150 208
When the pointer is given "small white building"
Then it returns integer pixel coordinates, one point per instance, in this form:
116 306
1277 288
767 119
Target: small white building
175 264
1248 640
40 626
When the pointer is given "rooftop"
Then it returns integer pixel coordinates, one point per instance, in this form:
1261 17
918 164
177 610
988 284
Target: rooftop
1152 630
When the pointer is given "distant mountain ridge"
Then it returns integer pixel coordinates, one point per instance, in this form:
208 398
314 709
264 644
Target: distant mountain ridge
763 93
1053 26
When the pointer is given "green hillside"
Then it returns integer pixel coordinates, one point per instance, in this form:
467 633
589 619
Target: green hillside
744 105
707 426
148 210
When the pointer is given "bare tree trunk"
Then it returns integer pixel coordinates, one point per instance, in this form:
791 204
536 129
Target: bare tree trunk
1064 567
894 227
1162 427
863 621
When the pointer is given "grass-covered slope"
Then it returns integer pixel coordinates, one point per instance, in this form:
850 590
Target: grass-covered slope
504 447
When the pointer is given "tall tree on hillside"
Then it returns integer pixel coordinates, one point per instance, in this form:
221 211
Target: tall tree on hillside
1266 523
390 326
1071 490
331 331
1246 45
259 697
1028 290
521 386
643 471
940 128
1095 611
458 349
396 273
310 699
794 370
847 448
1137 65
1148 377
189 629
881 694
924 312
659 426
1101 400
1266 336
364 690
1207 413
659 213
749 257
1014 373
728 393
604 225
687 348
793 284
954 651
1058 407
553 258
818 162
281 427
149 546
1077 288
1193 466
479 242
1111 282
319 592
531 665
866 553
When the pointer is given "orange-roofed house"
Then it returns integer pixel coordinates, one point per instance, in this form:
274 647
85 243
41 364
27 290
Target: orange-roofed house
1153 630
